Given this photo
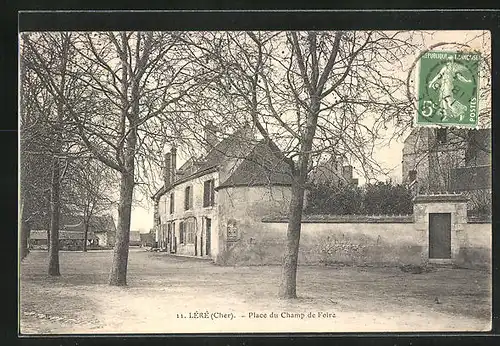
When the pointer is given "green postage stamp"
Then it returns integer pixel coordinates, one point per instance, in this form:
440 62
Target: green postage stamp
448 89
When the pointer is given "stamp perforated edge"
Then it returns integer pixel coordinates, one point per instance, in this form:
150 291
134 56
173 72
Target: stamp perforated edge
416 78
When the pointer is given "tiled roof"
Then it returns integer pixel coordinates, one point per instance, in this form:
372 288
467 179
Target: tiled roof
98 224
74 224
260 167
103 223
234 146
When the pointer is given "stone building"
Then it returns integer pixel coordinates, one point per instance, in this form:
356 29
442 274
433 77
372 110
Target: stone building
101 232
211 206
135 238
334 172
105 230
68 240
431 157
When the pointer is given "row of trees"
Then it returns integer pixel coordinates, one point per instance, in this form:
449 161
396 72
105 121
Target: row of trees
120 97
58 175
381 198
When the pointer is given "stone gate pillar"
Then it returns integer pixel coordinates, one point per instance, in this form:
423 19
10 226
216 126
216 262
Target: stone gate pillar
453 204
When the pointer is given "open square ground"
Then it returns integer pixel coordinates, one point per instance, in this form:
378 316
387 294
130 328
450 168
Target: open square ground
167 294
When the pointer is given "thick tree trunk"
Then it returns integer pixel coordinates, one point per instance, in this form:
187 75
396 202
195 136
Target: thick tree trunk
55 185
118 275
24 248
24 233
288 282
288 285
55 208
48 231
86 236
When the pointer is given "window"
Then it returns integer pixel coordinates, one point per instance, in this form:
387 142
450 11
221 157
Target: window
208 193
188 198
412 175
441 135
172 203
190 233
182 231
186 232
163 236
165 206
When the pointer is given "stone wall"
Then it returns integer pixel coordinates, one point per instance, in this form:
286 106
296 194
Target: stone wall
359 241
475 244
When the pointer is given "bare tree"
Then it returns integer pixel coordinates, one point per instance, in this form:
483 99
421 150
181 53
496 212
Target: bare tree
131 81
48 58
35 148
87 191
310 95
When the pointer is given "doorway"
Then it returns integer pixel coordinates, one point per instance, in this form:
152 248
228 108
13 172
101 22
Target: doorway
440 235
169 237
208 232
173 239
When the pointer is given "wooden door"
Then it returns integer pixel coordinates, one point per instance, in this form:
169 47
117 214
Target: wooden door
440 235
169 237
208 231
174 239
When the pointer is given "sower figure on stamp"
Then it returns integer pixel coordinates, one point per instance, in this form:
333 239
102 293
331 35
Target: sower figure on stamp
449 106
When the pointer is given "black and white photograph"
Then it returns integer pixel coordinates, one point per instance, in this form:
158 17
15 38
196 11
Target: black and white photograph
186 182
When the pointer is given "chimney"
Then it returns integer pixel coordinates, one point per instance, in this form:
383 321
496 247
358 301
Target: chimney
347 173
167 170
412 175
249 131
210 135
173 166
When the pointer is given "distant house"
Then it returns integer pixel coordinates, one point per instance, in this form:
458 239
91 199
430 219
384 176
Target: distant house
68 240
135 238
147 239
105 230
101 232
334 172
444 159
210 206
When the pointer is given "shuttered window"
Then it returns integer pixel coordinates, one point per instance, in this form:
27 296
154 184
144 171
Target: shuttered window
190 231
208 193
182 230
172 208
188 198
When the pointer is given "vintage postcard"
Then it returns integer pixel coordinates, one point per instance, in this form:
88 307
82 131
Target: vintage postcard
191 182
